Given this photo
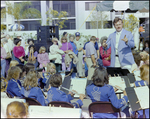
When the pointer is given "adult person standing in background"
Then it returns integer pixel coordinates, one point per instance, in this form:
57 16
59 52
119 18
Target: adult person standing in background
10 42
91 56
8 51
79 45
121 42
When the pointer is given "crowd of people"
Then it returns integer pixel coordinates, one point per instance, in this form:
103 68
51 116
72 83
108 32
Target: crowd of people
30 73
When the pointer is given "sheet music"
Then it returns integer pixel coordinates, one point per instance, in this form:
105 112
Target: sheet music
53 112
143 96
79 85
117 81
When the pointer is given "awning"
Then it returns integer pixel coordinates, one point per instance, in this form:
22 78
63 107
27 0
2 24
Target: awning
138 5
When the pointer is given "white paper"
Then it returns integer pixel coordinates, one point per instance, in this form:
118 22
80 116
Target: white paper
79 85
53 112
6 101
117 81
143 96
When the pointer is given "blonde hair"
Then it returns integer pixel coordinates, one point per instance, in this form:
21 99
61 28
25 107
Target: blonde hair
41 49
54 39
30 80
13 72
13 63
144 72
51 65
17 110
63 38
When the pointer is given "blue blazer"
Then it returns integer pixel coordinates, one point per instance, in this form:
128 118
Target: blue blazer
124 50
14 88
105 93
54 94
35 93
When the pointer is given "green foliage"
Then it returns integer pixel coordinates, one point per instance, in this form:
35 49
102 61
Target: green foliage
60 17
20 11
3 27
131 23
99 16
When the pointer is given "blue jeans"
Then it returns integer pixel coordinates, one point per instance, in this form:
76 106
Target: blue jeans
3 66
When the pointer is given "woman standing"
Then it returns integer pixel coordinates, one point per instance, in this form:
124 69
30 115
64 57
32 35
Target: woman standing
18 51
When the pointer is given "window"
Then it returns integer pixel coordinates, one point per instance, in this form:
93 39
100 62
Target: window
90 5
70 24
93 25
30 25
68 6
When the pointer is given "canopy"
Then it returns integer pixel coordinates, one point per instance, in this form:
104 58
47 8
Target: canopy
15 26
122 5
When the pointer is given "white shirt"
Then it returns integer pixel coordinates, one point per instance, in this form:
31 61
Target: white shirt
22 42
10 44
6 47
117 40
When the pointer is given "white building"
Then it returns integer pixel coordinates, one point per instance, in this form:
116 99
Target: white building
78 20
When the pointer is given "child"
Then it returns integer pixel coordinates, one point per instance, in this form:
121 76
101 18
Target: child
105 54
144 72
13 87
50 70
55 53
17 110
54 94
42 57
13 63
30 88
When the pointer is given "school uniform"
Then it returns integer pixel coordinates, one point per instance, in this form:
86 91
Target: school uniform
140 112
54 94
105 93
14 88
34 92
46 81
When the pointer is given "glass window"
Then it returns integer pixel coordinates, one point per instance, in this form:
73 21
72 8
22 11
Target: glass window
90 5
30 25
70 24
68 6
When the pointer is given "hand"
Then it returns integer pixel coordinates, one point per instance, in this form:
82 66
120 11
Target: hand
107 58
22 60
125 39
20 57
82 96
117 88
124 92
71 93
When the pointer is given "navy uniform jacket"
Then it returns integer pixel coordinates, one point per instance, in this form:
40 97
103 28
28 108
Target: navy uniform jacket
54 94
107 94
140 112
14 88
34 92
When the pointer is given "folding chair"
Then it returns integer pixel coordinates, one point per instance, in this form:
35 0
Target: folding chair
31 101
102 107
61 103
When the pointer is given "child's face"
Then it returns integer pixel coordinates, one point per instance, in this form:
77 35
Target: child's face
52 70
146 44
55 42
43 51
19 43
30 43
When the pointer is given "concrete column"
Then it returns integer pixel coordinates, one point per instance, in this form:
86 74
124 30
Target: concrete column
43 12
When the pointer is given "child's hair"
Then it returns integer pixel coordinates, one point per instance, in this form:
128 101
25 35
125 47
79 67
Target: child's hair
17 110
13 72
56 80
30 80
137 57
54 39
144 72
13 63
23 68
41 49
51 65
29 66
